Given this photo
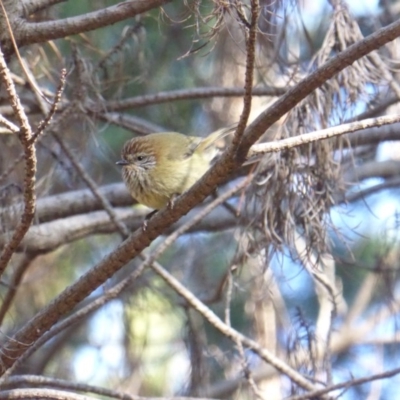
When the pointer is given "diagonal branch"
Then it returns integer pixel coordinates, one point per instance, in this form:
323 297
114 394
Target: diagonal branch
231 333
131 247
338 63
123 230
345 385
115 291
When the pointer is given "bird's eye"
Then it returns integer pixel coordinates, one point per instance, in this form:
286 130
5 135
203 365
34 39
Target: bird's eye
140 158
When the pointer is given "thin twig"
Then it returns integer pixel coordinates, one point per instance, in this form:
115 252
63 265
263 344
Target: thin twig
14 284
198 217
231 333
249 74
54 105
137 241
247 372
118 288
24 135
9 125
93 187
353 382
23 65
314 80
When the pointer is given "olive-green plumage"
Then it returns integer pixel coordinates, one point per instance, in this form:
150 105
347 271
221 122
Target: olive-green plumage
159 166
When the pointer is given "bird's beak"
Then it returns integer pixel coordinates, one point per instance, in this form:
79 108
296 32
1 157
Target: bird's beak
122 163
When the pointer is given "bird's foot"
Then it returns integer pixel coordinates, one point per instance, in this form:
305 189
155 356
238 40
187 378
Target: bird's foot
171 201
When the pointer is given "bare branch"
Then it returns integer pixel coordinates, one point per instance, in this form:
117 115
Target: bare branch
118 288
52 110
25 136
81 201
285 103
51 235
68 395
164 218
347 384
295 141
249 74
37 32
231 333
188 94
12 128
34 380
42 393
93 187
129 122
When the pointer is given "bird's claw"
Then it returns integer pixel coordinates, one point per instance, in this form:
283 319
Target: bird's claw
171 201
147 219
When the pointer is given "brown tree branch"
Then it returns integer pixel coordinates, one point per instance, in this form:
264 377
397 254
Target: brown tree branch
38 32
336 64
64 395
346 385
42 394
25 136
130 248
80 202
249 73
129 122
115 291
73 203
231 333
34 380
49 236
188 94
12 128
50 111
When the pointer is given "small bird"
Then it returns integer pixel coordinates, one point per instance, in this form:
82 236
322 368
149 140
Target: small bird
158 167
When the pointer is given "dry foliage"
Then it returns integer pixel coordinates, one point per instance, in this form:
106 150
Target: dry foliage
310 102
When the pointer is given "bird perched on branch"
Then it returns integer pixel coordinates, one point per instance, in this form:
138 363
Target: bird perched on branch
160 166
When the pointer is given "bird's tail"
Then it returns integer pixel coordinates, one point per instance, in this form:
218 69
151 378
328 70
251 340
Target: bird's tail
208 141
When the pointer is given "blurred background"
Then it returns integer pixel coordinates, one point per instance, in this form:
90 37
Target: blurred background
304 260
